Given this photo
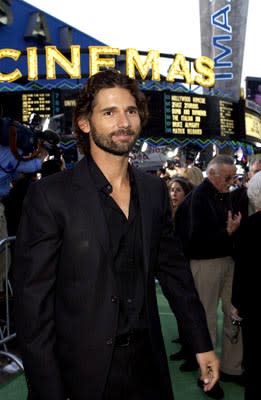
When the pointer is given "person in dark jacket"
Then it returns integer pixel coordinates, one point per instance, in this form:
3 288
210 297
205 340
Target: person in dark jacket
246 287
90 244
179 188
206 224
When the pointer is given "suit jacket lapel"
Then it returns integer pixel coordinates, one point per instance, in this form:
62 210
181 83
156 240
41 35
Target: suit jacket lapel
145 210
88 201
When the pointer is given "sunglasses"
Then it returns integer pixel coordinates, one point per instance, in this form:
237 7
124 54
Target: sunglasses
228 178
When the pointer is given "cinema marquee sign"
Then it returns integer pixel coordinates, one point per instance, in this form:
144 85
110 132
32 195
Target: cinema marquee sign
101 57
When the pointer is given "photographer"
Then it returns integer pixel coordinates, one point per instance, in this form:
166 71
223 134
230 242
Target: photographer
14 201
23 149
10 167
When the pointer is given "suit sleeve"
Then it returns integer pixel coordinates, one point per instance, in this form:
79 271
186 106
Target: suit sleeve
34 273
177 284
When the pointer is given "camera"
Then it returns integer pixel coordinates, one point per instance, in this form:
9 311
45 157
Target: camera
27 138
236 322
54 151
172 164
235 332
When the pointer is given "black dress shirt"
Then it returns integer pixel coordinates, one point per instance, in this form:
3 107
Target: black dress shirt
126 247
201 221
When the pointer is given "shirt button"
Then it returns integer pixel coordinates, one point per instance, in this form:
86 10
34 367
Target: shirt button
114 299
109 188
129 301
109 341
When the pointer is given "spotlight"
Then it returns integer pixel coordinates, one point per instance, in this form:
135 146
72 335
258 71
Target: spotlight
144 147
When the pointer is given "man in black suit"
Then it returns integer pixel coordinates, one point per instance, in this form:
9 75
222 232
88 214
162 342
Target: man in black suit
90 243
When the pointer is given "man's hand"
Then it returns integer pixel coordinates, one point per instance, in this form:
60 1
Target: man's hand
233 222
235 314
209 369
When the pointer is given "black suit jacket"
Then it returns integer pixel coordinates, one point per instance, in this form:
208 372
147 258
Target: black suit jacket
200 221
65 290
246 285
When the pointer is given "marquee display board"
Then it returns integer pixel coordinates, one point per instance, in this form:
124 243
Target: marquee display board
253 89
252 121
192 115
172 114
20 105
253 126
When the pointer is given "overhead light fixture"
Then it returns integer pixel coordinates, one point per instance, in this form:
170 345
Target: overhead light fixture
144 147
175 152
46 123
170 154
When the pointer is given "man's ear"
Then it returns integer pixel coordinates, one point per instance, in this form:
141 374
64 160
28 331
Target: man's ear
212 173
84 125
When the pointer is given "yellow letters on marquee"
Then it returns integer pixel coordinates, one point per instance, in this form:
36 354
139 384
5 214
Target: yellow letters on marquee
179 67
95 63
152 61
16 74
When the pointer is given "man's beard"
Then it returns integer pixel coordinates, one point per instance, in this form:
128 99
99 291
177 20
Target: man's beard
107 144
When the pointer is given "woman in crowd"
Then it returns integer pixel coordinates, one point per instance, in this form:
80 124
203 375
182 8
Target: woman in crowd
179 187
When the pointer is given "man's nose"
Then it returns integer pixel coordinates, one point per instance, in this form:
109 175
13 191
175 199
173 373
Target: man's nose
124 121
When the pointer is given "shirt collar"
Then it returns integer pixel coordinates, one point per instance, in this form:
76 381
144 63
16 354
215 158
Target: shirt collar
100 181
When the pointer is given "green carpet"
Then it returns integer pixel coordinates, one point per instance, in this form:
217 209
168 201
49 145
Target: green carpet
14 389
184 383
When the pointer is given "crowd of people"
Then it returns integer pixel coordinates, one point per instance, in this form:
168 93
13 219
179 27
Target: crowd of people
214 224
90 242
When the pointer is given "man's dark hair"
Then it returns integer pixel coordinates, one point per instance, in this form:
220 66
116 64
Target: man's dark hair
105 80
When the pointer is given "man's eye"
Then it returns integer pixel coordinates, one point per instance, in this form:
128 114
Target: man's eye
133 111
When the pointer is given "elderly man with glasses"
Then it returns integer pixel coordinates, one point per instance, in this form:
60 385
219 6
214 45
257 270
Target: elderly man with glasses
207 223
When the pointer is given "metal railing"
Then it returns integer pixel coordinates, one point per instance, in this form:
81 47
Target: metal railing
6 332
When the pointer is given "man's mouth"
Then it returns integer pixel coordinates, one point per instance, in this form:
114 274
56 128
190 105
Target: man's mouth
123 133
